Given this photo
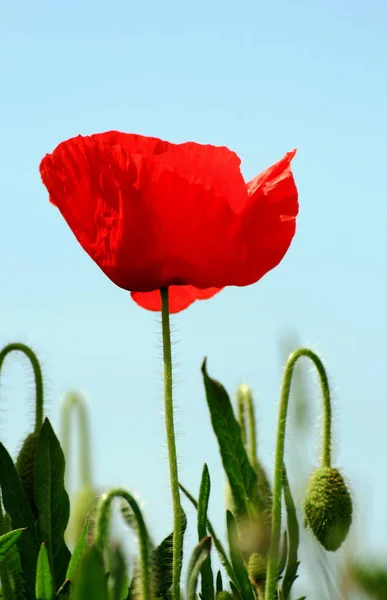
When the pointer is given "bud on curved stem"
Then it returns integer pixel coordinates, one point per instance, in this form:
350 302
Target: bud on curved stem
30 354
103 529
271 576
74 402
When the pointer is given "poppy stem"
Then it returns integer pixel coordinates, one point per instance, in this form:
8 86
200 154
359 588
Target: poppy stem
39 397
172 455
272 565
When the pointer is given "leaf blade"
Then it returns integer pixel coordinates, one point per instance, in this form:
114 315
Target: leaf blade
8 540
51 500
241 475
44 587
207 577
17 507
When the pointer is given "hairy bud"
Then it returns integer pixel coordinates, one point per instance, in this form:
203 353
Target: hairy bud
328 507
25 465
257 569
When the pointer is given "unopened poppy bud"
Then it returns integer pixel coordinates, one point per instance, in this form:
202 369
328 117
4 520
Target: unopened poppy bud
223 595
25 465
328 507
257 568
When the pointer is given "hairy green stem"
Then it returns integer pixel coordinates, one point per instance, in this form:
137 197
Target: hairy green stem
74 402
103 530
271 573
171 442
39 398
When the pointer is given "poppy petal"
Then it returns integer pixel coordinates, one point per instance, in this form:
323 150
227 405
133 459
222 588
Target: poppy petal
268 222
133 143
180 297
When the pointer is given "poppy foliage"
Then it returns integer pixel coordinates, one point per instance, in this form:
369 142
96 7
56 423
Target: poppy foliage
153 214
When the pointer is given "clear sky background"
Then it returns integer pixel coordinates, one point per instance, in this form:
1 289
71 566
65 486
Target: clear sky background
261 78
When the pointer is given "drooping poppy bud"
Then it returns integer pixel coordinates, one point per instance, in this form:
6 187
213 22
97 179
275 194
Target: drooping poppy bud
25 465
328 507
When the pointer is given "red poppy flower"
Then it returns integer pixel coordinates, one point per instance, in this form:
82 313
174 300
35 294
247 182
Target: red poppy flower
154 214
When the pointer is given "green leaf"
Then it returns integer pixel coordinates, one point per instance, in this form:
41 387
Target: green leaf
293 538
8 540
16 505
370 578
44 587
241 475
79 551
242 579
283 555
217 543
161 560
118 578
206 570
90 583
219 583
51 500
199 555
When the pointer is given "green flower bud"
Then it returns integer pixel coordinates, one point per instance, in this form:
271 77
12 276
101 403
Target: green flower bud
328 507
224 596
25 465
257 569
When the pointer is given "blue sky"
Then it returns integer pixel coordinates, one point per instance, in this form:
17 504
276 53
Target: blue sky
261 78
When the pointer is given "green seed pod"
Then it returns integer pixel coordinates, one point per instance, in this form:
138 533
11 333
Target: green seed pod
224 596
25 465
328 507
257 569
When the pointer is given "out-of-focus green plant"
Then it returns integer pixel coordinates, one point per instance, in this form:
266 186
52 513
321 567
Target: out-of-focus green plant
85 498
260 561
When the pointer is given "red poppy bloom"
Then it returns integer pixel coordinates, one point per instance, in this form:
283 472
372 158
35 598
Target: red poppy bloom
153 214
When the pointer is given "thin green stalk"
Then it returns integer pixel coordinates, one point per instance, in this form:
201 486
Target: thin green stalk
245 400
171 442
39 398
103 529
271 573
242 412
74 402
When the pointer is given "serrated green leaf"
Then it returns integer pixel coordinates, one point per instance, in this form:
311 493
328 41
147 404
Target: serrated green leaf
44 586
161 560
207 576
16 505
8 540
90 583
293 537
51 500
241 475
79 550
199 555
242 579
